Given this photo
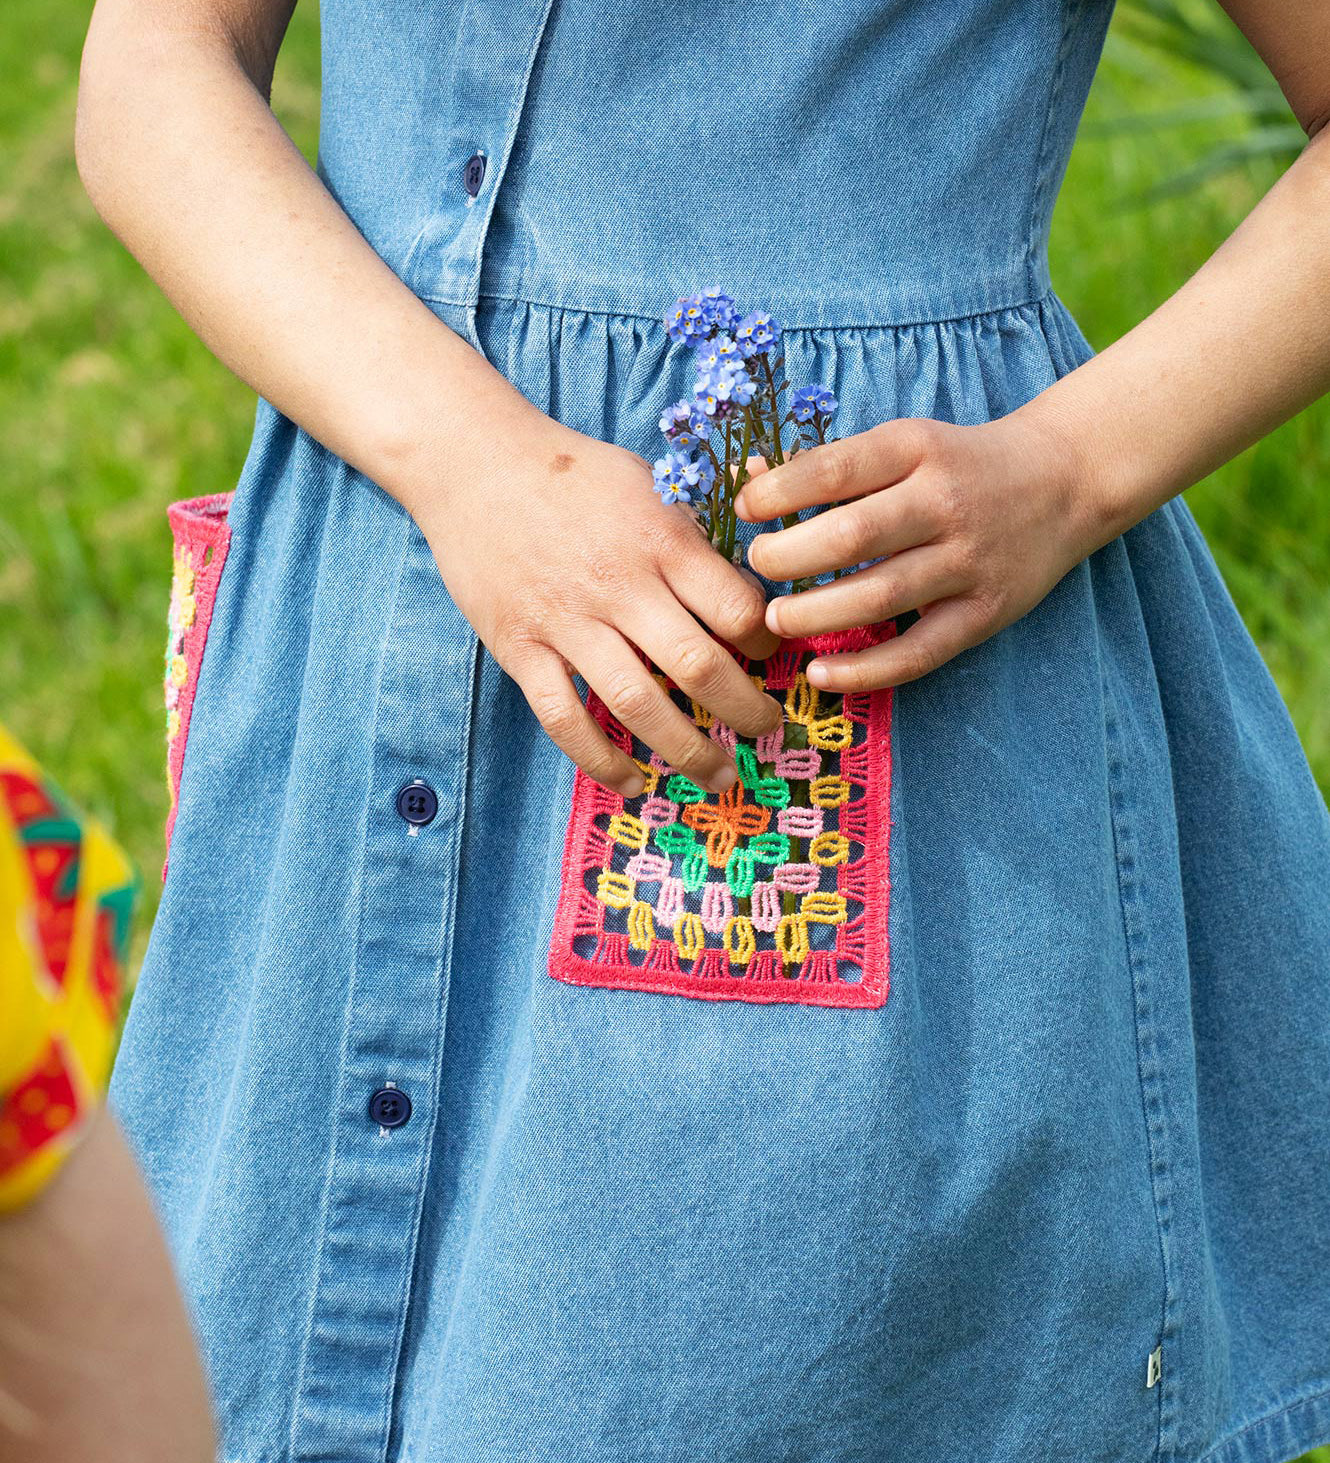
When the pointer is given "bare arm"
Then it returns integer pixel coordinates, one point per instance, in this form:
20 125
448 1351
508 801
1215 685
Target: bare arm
981 522
97 1359
182 156
1245 343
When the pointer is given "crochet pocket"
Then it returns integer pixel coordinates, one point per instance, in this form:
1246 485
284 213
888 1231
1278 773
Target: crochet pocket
200 536
775 890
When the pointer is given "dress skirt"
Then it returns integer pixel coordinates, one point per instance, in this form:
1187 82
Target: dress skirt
1060 1194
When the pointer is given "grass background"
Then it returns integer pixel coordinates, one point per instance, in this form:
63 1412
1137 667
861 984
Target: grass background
110 408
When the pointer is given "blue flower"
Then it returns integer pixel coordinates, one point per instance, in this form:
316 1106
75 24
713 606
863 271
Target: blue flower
719 390
812 401
685 424
721 350
682 415
712 403
679 478
687 322
718 309
756 333
742 387
699 474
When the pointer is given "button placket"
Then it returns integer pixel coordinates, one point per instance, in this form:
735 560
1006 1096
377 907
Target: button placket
488 95
393 1024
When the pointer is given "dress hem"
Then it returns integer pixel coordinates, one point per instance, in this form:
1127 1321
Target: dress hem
1280 1436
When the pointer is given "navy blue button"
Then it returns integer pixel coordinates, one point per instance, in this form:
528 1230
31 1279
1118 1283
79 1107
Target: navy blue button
474 173
417 802
390 1107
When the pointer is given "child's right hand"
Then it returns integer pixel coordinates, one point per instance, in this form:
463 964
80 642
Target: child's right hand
562 557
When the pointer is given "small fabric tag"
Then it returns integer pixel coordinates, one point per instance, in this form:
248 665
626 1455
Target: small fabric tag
1154 1367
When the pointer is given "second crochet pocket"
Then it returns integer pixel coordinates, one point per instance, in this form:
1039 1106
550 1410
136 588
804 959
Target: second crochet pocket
775 890
200 535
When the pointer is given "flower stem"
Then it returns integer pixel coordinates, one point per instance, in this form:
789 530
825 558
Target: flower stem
740 478
776 448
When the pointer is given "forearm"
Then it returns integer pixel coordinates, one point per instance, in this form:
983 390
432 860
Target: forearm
185 161
1240 348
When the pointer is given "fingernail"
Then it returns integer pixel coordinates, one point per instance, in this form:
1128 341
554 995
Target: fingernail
817 674
631 786
773 616
723 779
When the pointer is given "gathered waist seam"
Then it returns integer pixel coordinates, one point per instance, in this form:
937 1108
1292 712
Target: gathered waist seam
1045 297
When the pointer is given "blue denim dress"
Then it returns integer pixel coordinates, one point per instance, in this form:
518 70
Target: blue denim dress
1062 1193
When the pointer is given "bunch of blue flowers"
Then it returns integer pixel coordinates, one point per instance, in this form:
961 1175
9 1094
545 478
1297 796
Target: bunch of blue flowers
733 413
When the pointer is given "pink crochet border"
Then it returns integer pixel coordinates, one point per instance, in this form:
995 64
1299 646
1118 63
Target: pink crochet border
197 524
863 940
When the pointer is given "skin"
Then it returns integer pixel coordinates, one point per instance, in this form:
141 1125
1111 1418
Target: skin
980 522
97 1359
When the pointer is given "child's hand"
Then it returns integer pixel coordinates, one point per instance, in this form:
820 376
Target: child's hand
561 555
979 523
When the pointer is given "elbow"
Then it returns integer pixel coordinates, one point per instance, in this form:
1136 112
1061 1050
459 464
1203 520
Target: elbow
126 58
86 156
94 119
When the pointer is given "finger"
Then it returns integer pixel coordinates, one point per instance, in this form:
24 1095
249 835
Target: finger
618 677
947 629
703 668
831 472
727 599
570 726
756 464
904 582
840 538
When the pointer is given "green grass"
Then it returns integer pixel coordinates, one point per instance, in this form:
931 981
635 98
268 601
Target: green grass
110 408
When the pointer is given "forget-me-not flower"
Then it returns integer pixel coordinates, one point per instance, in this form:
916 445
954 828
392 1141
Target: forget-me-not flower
812 401
688 322
718 308
679 478
719 390
756 332
721 350
685 424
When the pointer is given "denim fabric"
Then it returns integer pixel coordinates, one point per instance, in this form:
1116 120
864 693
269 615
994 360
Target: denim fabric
1092 1117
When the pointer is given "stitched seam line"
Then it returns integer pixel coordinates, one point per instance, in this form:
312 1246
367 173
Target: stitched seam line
1148 1082
510 131
1030 303
1037 209
440 1034
1321 1395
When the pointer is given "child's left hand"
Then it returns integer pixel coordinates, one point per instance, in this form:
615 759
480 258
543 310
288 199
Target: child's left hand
979 523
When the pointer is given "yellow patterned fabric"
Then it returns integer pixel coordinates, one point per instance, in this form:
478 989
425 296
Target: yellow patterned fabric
67 894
